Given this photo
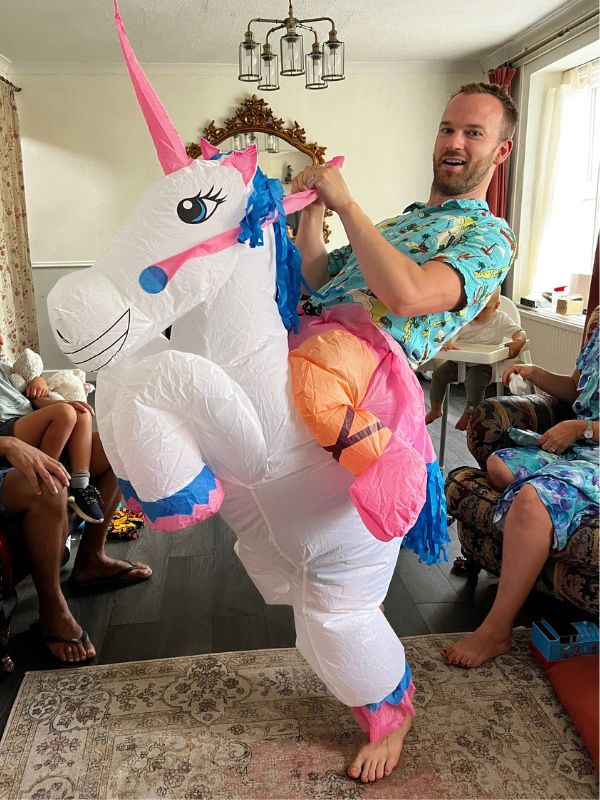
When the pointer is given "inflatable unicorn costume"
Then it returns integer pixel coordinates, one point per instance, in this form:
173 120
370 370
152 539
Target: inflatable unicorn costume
208 418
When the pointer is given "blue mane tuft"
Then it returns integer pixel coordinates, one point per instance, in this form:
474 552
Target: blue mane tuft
267 199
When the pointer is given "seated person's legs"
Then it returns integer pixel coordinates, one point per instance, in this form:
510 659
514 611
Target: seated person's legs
527 539
93 569
442 376
48 428
477 379
59 427
44 527
499 474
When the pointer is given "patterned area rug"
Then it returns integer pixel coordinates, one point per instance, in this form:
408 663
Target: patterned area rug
261 725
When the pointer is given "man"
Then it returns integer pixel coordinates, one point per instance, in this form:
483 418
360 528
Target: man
34 485
423 275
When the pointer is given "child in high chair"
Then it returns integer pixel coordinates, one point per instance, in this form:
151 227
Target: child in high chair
490 326
53 426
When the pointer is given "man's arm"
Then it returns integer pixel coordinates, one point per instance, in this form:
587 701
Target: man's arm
34 464
403 286
309 240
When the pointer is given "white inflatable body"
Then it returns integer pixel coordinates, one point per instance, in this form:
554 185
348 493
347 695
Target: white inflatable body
299 535
216 401
218 394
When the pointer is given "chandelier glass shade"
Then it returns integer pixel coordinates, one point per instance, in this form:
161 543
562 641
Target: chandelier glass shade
261 64
269 79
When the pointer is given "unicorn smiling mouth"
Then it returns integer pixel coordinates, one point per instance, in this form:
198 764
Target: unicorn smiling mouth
103 348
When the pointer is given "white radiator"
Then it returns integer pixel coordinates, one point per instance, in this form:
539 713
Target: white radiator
554 344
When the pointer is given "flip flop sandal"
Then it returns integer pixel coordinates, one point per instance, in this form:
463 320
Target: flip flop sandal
43 641
107 583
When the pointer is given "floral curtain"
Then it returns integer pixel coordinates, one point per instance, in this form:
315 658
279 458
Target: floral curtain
497 190
17 304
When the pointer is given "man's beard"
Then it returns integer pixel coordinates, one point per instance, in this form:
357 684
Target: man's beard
464 181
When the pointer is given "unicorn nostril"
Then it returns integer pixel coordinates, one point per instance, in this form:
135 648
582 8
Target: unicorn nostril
66 341
153 279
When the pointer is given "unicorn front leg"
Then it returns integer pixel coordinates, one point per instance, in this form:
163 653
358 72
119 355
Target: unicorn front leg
173 424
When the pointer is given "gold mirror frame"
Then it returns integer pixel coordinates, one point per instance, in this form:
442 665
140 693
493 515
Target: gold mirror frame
253 115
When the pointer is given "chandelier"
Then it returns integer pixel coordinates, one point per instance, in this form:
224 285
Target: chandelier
321 65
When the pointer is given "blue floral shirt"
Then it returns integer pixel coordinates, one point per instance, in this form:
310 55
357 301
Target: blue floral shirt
461 233
587 404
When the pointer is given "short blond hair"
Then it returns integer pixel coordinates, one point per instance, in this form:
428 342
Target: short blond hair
510 116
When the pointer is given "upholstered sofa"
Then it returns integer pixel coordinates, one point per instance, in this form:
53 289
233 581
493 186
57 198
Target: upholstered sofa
571 574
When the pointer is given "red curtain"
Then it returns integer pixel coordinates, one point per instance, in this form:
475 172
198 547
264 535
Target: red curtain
497 190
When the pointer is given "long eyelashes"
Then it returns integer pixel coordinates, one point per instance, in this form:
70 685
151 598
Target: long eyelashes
194 210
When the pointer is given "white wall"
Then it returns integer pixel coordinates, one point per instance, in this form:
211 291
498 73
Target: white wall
88 157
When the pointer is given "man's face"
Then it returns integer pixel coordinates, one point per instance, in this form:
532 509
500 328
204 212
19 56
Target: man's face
468 144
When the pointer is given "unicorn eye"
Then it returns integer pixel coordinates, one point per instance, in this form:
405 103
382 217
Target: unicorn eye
194 210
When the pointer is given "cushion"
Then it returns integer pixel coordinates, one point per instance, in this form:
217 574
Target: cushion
575 681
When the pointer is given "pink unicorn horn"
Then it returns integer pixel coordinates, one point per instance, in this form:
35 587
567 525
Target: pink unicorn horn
169 145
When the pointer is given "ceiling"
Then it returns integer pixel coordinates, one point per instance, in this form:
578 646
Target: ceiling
209 31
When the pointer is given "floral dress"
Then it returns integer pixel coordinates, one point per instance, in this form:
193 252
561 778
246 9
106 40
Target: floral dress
568 484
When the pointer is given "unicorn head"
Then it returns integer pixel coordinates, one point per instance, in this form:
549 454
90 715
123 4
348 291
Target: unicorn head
168 257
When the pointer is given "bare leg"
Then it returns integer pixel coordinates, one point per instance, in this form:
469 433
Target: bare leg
434 413
377 760
527 540
45 529
477 379
48 428
442 376
92 561
79 446
499 474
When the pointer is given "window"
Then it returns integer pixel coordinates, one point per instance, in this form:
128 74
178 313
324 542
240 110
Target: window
565 212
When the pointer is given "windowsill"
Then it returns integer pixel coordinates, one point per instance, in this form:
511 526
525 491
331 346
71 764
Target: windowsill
573 322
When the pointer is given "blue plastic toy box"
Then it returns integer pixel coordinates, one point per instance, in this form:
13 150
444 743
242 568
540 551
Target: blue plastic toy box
557 641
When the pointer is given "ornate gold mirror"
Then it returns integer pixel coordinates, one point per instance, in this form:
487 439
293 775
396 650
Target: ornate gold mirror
282 152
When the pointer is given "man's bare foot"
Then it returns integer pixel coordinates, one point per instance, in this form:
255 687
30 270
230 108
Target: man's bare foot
477 648
108 567
63 627
432 415
463 422
377 760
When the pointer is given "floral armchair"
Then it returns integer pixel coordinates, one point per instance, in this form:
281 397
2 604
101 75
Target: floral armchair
571 574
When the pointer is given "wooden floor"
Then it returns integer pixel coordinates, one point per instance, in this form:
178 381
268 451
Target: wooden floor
200 599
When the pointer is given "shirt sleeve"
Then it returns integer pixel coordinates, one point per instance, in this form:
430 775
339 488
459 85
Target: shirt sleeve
338 259
482 255
509 328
